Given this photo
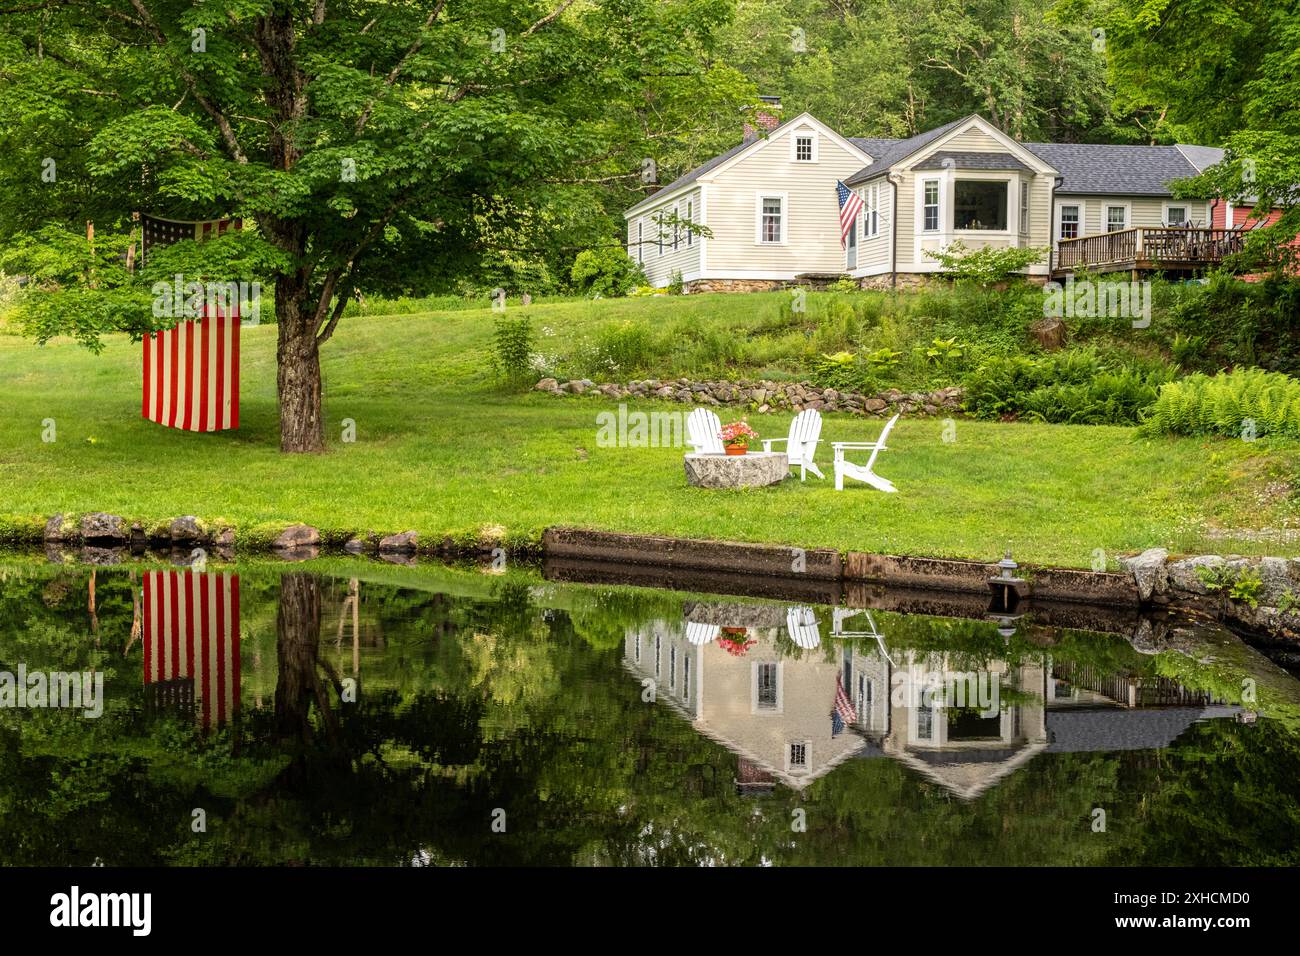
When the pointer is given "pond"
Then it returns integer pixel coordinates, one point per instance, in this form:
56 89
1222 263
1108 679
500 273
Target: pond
357 713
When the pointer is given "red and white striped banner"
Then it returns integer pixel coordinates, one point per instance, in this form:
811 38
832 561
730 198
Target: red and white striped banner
191 374
191 636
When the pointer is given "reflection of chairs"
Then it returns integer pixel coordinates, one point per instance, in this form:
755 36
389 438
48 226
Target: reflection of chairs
842 614
801 444
700 634
802 625
704 431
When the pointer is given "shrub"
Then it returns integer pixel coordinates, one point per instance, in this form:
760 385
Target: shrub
1239 323
1244 402
985 266
512 348
607 272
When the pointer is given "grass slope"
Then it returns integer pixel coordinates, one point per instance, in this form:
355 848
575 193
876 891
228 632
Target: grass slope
443 450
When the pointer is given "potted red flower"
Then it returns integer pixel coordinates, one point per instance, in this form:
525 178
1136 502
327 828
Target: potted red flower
735 641
737 437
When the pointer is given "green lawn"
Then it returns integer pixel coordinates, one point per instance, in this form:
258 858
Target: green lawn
442 450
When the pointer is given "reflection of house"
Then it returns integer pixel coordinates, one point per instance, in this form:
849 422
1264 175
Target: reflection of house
965 730
191 643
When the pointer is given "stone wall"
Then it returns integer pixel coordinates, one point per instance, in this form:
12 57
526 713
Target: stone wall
766 396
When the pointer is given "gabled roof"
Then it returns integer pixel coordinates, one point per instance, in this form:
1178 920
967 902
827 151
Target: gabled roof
1202 157
890 151
705 168
942 158
1093 168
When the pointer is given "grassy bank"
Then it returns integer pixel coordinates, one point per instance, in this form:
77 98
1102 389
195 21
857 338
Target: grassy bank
442 449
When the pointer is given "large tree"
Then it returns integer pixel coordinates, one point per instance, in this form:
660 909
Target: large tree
370 144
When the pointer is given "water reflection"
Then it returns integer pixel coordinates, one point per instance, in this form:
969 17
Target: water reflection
191 644
758 680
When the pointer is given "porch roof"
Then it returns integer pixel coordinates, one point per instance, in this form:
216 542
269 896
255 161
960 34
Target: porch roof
940 160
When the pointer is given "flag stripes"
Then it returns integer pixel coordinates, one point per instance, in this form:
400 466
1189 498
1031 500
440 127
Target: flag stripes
850 206
191 374
191 637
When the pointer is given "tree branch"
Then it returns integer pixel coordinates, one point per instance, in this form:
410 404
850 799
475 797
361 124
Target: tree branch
401 63
549 18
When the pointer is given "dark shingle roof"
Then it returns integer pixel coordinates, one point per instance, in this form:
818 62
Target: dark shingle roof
1091 168
940 159
1079 731
890 151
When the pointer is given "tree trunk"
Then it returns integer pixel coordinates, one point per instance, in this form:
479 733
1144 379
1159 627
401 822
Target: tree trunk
298 380
297 633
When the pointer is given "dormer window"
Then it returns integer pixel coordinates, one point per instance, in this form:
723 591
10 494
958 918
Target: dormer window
805 148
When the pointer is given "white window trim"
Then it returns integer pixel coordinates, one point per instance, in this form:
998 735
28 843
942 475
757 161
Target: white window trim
672 667
780 688
1060 221
758 217
640 241
658 220
1024 210
1186 207
686 676
1128 215
794 146
677 229
806 766
871 211
938 203
690 218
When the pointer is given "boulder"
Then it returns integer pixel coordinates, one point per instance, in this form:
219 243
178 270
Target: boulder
57 529
1148 570
100 527
548 385
225 537
1182 575
188 529
296 536
875 405
1276 580
403 543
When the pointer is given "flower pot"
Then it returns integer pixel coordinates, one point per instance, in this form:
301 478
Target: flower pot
736 449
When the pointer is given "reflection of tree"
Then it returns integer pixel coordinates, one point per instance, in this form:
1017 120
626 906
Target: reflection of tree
297 641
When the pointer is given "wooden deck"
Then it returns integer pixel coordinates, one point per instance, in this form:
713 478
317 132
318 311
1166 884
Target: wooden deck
1147 249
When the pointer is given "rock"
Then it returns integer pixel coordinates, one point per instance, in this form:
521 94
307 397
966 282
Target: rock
548 385
296 536
735 471
664 391
225 537
874 405
1148 570
188 529
1275 580
1182 574
576 388
355 546
764 409
58 530
98 526
403 543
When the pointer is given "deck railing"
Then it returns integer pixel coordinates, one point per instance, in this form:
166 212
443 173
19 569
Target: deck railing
1149 247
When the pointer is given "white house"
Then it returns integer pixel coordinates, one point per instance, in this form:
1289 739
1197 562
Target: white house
772 211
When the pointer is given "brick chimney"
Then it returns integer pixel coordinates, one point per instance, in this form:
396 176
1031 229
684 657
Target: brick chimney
767 117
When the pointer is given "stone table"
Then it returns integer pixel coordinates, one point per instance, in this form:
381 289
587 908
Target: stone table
754 470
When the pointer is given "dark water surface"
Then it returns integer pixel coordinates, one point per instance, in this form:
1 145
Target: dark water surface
357 713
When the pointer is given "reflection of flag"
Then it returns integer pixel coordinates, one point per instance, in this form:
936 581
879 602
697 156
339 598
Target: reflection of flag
850 206
843 713
191 640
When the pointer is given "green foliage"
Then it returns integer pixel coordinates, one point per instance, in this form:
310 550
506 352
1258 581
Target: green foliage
1078 386
1245 403
512 347
1228 322
605 271
676 284
986 266
940 351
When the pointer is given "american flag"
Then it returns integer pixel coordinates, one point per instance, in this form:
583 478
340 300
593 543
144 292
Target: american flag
191 372
191 642
850 206
844 711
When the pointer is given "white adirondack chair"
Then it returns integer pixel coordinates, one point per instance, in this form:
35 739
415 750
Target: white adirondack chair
699 634
704 431
846 469
801 622
842 614
801 444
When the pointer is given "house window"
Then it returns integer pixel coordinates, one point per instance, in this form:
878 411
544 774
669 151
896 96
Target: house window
771 223
659 646
798 756
930 221
767 686
1176 216
640 237
862 697
1024 209
1069 222
871 213
1116 218
690 217
686 678
676 227
672 668
803 149
979 204
659 232
848 670
924 722
637 653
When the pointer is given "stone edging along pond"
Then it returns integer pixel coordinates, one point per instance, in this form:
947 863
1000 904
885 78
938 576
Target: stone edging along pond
1267 602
